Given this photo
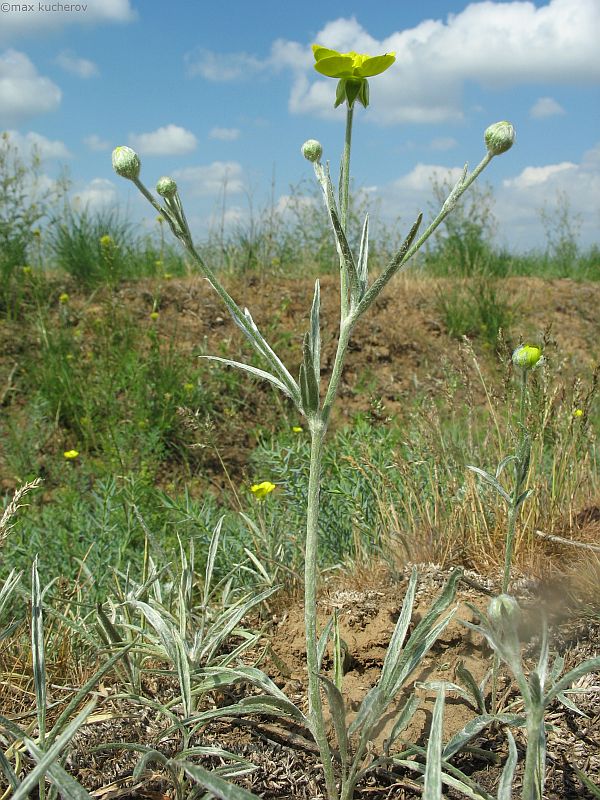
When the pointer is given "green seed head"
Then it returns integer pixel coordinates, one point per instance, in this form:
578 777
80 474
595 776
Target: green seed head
312 150
526 356
499 137
166 187
126 162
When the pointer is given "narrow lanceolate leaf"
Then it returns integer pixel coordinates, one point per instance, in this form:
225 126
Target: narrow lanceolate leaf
311 373
402 721
265 349
258 373
397 640
315 331
322 643
363 259
37 648
343 248
591 665
433 769
338 714
474 727
219 787
492 482
210 560
506 779
46 765
467 678
391 269
592 788
7 769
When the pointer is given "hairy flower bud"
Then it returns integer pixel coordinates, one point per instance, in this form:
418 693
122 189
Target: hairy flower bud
166 187
499 137
504 608
312 150
126 162
526 356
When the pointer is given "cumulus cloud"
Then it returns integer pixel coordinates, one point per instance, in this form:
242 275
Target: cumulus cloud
98 194
536 176
81 67
169 140
37 22
32 142
224 134
496 44
96 143
213 178
545 107
24 92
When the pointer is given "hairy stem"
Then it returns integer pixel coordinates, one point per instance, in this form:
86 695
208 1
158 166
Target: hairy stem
344 191
315 706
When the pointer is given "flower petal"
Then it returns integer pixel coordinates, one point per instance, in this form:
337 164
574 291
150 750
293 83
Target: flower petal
323 52
336 66
375 65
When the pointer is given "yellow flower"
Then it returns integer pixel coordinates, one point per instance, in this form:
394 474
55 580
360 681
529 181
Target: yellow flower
261 490
297 429
64 298
167 276
352 69
106 240
578 412
70 454
160 219
154 315
158 263
527 356
36 232
69 356
188 387
26 270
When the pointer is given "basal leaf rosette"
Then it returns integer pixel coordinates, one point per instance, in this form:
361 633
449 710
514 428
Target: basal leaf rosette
352 70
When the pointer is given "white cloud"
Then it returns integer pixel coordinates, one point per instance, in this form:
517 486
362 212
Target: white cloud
169 140
545 107
39 22
535 176
223 67
81 67
421 177
98 194
96 143
213 178
35 142
224 134
495 44
23 92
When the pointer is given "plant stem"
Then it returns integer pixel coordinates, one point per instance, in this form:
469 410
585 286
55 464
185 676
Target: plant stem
533 778
513 512
344 191
318 430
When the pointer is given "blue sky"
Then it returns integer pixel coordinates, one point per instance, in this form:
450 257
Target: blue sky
225 93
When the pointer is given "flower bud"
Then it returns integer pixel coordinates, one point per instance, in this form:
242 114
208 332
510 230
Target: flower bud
499 137
526 356
504 609
312 150
166 187
126 162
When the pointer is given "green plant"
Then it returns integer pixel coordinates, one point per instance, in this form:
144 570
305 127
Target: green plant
479 310
356 296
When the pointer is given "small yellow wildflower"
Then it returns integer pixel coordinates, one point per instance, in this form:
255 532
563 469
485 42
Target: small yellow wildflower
154 315
158 263
261 490
297 429
26 270
69 356
160 219
527 356
70 454
578 412
63 299
106 240
352 69
167 276
36 232
188 387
